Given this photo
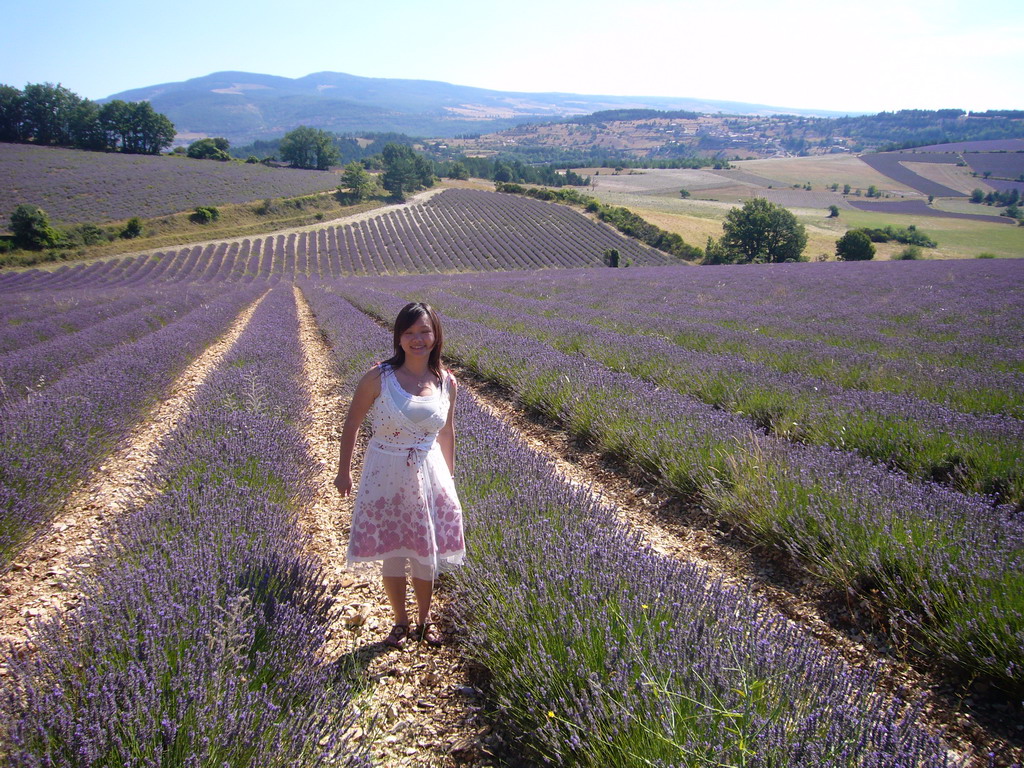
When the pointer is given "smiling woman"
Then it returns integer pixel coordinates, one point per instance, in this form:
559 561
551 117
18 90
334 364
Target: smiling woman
407 511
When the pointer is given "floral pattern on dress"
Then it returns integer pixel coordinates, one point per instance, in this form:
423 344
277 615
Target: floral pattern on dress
406 505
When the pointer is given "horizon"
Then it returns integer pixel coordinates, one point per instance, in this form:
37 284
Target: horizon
869 58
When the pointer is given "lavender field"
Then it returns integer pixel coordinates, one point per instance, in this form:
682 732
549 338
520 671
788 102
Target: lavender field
74 186
862 422
459 230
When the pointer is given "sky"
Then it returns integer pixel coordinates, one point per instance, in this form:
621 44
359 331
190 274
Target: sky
840 55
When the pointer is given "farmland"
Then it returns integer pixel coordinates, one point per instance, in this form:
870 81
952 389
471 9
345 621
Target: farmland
75 186
654 194
715 515
456 230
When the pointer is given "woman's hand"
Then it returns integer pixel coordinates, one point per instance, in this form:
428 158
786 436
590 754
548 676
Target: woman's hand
343 482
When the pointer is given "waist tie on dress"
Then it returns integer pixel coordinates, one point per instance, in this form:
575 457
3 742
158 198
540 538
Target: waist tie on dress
415 455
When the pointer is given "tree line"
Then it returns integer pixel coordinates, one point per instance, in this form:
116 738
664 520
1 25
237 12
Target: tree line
49 114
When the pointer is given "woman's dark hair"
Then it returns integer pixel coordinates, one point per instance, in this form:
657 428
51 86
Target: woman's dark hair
406 318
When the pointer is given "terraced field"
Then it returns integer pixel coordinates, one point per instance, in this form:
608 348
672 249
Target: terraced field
717 516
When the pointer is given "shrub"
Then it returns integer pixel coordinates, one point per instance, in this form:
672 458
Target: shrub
132 229
205 214
84 234
31 228
910 253
908 236
986 255
855 245
209 149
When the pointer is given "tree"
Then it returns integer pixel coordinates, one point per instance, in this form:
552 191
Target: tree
31 228
684 193
12 114
714 253
762 231
458 171
846 189
154 131
209 149
611 257
307 147
833 211
47 112
977 195
502 172
402 172
855 245
356 183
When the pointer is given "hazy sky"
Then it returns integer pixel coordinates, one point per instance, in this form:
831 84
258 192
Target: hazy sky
848 55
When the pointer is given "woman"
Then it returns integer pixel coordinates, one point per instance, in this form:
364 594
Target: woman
406 510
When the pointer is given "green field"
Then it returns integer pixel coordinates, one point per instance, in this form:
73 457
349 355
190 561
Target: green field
650 194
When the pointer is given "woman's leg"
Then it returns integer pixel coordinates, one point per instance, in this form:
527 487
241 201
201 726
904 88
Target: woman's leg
393 576
423 587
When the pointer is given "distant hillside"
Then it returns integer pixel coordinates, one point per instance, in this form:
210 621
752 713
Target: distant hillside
73 186
632 134
243 106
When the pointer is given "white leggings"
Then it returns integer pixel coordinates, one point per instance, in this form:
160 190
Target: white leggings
395 566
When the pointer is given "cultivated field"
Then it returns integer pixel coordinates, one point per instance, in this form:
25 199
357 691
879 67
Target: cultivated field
654 194
753 515
823 170
74 186
457 230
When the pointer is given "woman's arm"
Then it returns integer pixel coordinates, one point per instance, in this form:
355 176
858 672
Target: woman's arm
366 392
446 437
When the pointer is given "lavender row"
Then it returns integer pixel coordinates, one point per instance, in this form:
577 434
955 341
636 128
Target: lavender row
795 338
974 453
201 636
19 308
958 372
33 368
602 652
57 313
659 661
49 441
457 230
949 567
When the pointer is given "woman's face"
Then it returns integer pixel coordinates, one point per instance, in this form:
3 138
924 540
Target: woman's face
418 339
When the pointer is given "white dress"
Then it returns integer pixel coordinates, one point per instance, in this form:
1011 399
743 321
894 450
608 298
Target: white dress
406 505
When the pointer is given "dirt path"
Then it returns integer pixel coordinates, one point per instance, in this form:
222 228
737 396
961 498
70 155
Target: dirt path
838 622
418 707
43 577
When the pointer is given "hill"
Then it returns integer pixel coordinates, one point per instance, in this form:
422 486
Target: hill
626 135
244 106
75 186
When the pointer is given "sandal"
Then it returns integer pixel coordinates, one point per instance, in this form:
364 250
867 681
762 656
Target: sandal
427 633
398 636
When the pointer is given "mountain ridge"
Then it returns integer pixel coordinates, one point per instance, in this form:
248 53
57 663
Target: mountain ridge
243 106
